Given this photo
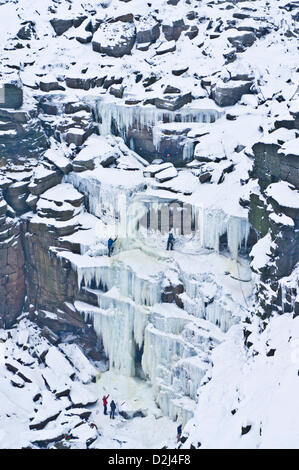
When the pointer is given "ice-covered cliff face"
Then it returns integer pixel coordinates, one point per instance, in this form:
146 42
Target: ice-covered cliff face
131 120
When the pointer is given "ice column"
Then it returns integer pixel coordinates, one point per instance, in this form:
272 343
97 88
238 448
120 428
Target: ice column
125 116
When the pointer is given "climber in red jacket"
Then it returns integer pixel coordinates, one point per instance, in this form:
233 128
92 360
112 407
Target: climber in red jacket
105 403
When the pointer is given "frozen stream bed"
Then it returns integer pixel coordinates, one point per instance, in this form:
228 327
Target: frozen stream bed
130 394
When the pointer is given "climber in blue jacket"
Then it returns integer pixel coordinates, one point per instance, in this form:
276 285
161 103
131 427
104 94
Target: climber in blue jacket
170 241
110 245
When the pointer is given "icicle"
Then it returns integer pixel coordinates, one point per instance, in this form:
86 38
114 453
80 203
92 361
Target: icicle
237 231
125 116
214 222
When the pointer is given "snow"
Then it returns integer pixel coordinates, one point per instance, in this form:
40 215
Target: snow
62 192
95 147
261 252
54 357
82 365
284 193
166 174
282 219
290 147
139 433
257 393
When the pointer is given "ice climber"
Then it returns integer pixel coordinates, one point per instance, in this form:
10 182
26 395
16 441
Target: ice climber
112 409
110 245
105 403
170 241
179 432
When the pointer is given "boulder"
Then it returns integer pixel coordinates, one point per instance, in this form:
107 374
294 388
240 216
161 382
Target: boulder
47 84
173 31
205 177
165 47
16 195
40 422
172 103
47 437
81 397
44 179
148 31
166 175
179 71
11 93
84 33
50 335
114 39
77 136
229 93
171 89
26 32
112 80
80 82
125 18
192 33
60 26
242 40
117 91
150 80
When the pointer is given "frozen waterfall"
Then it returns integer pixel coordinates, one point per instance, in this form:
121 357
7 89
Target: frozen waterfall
125 116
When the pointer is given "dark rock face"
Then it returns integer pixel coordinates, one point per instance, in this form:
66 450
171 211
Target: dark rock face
24 136
174 30
117 91
271 166
172 103
50 282
11 95
269 216
80 83
60 26
12 281
47 86
286 251
45 181
148 35
26 32
170 149
172 293
229 94
16 195
243 40
192 33
258 215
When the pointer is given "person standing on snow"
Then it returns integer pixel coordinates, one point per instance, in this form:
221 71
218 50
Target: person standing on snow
170 241
112 409
110 245
179 432
105 403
